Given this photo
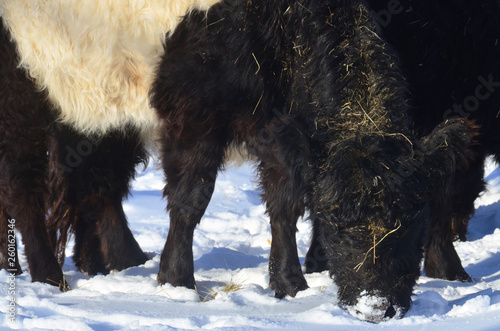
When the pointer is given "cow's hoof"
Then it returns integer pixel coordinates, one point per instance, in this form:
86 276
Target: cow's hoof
289 286
167 278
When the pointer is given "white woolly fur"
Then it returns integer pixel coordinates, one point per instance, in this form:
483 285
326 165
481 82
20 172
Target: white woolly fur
96 58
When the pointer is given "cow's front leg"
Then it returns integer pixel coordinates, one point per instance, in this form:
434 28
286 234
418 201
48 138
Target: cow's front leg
190 174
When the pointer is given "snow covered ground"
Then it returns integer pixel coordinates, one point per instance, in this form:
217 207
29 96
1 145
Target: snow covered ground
231 247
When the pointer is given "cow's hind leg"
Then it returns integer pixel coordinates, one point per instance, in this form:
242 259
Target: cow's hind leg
190 171
96 174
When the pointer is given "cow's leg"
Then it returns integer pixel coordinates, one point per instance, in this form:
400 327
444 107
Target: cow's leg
190 171
9 258
450 213
284 206
468 186
442 260
97 172
61 206
103 241
23 164
316 260
23 161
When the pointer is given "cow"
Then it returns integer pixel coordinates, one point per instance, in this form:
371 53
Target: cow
450 55
319 99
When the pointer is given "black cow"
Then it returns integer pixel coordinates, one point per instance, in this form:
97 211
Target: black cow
318 98
450 54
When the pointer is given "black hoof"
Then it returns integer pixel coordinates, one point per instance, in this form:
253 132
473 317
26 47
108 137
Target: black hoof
166 278
288 286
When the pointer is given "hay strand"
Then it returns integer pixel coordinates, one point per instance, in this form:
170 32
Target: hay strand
375 244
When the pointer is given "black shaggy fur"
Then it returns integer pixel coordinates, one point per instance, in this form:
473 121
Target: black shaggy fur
88 179
318 98
450 52
50 174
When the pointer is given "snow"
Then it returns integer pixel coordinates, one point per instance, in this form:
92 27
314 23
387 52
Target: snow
231 247
369 307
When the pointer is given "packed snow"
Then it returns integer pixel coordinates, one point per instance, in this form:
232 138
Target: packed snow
231 248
